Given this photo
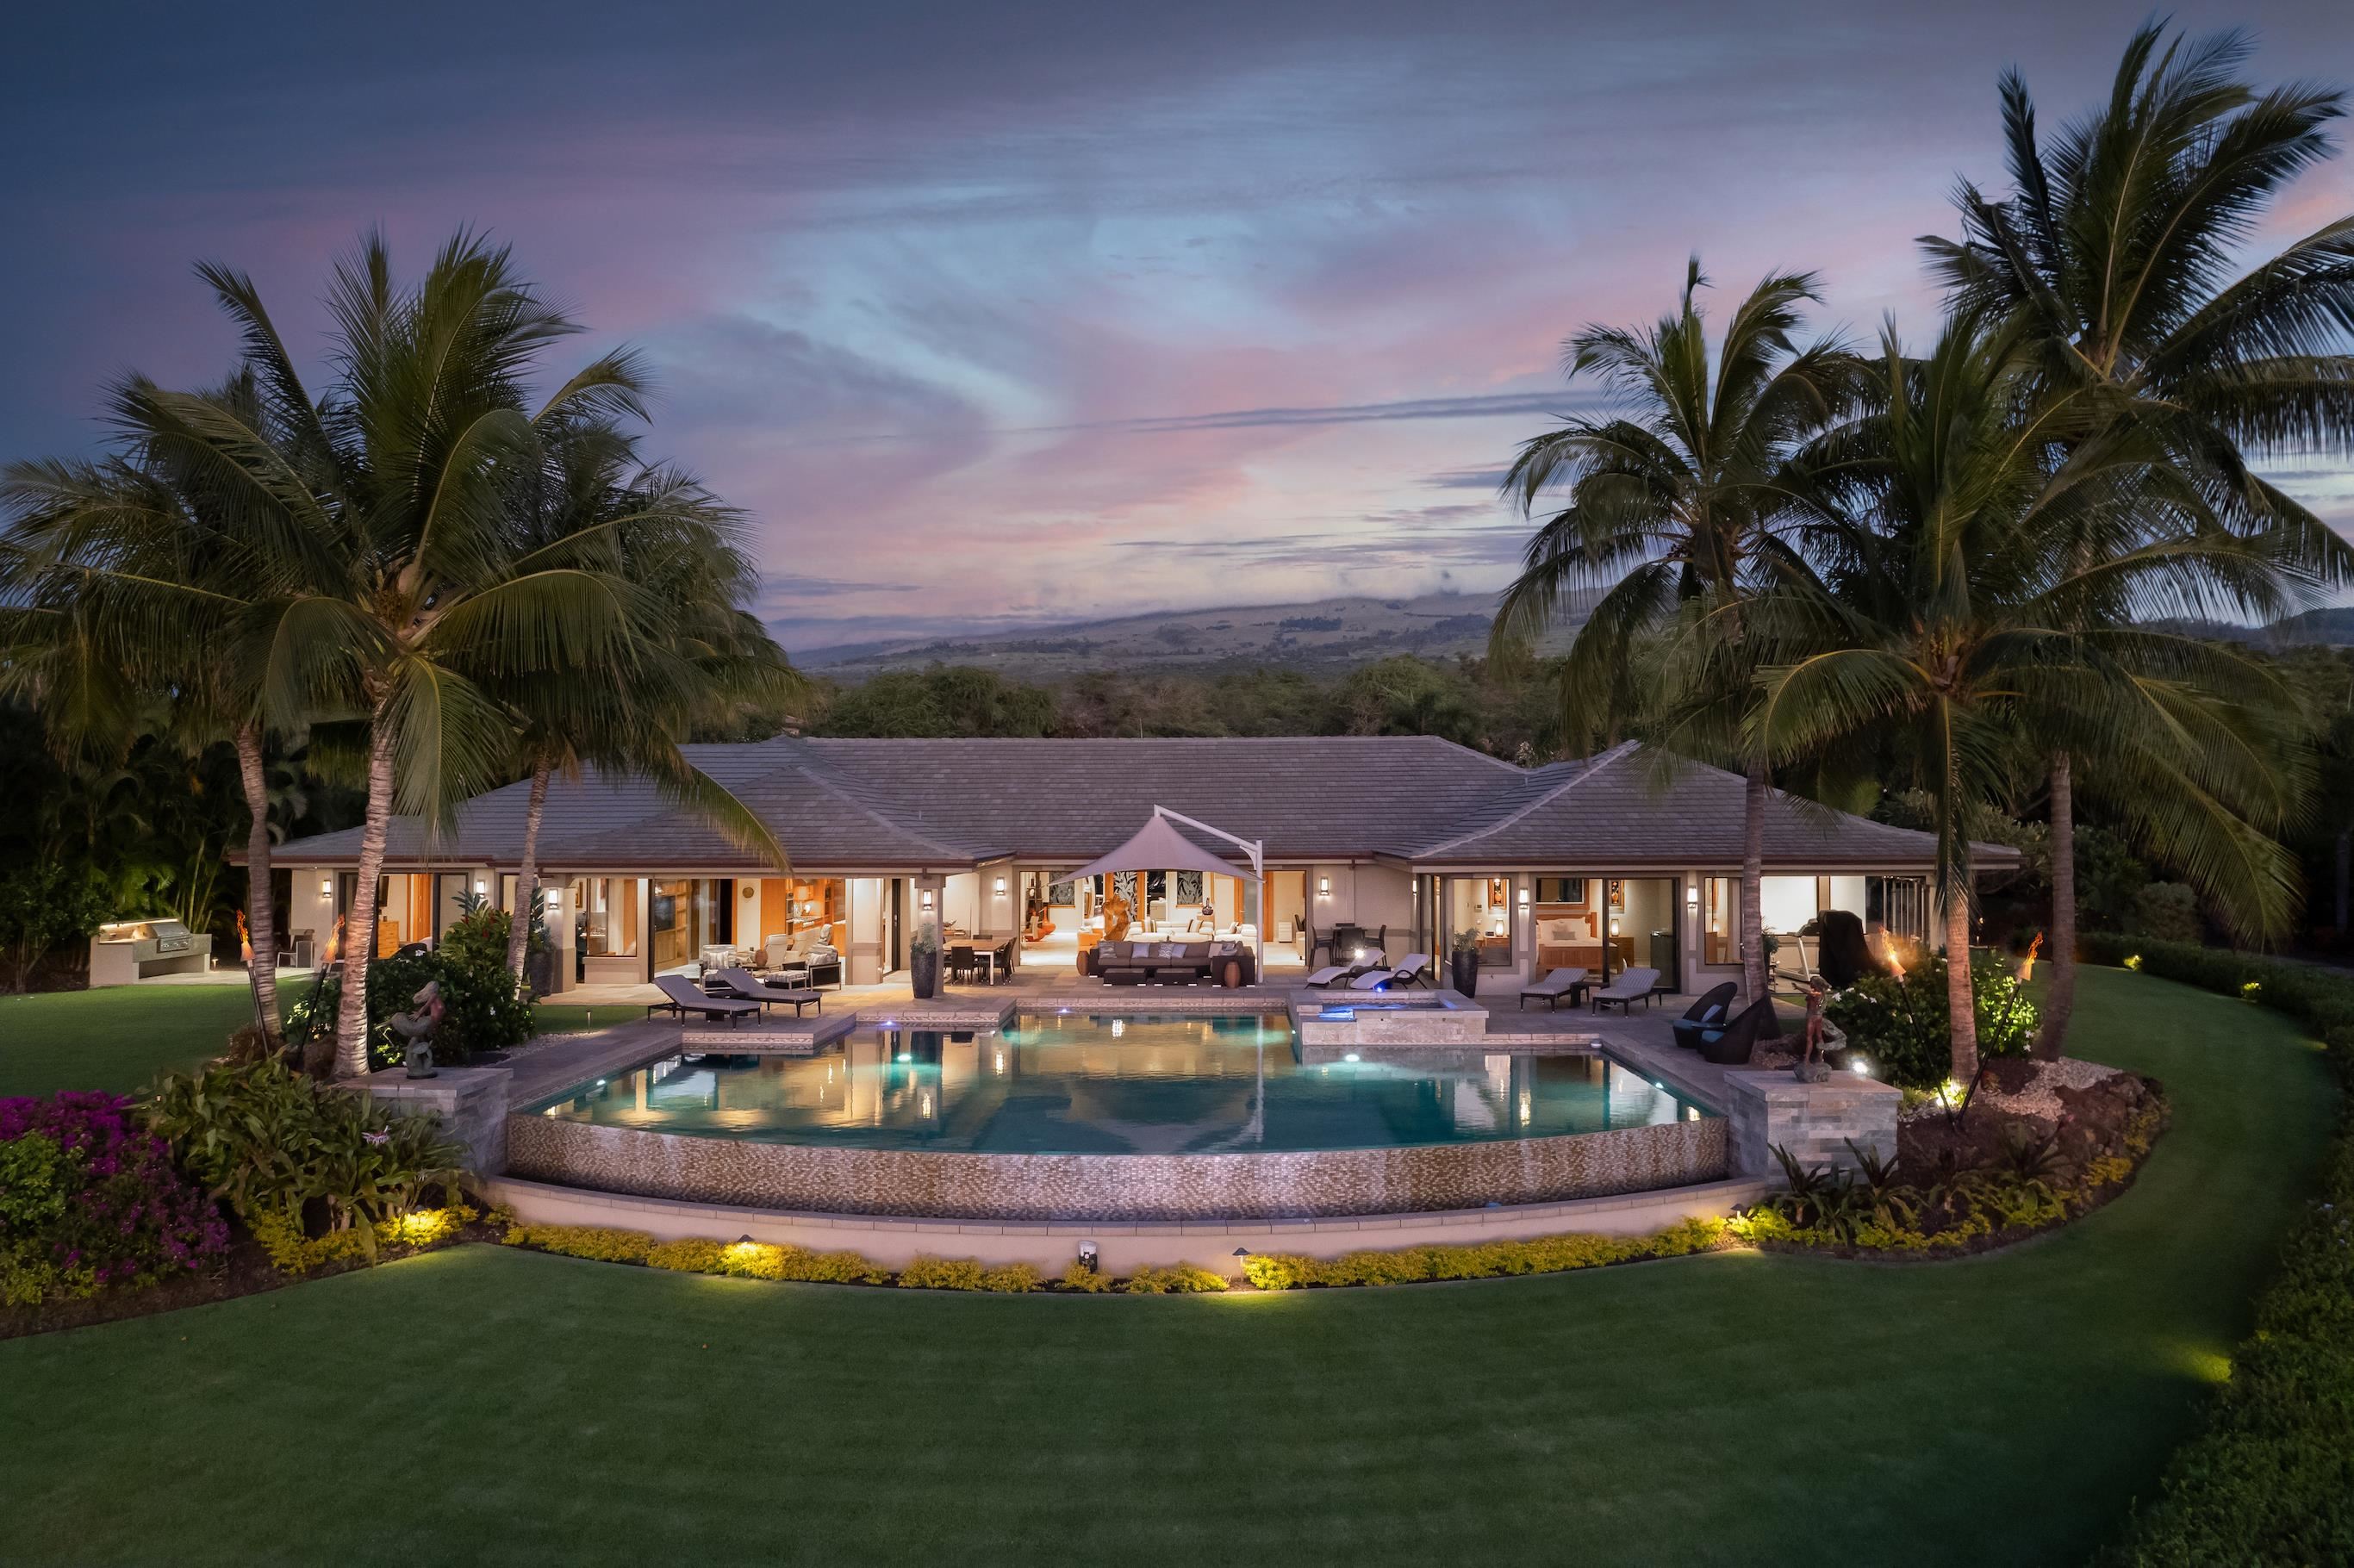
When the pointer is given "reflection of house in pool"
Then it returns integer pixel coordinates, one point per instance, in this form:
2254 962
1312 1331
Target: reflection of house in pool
1371 847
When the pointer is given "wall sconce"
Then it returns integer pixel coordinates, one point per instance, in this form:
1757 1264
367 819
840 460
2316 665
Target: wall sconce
749 890
926 897
479 886
1692 897
326 887
1524 898
1000 887
555 896
1323 887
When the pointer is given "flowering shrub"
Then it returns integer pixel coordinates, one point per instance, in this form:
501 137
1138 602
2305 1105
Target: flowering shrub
1482 1260
1173 1279
89 1200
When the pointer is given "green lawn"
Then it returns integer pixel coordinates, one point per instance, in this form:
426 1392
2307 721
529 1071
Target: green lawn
117 1038
1736 1408
120 1037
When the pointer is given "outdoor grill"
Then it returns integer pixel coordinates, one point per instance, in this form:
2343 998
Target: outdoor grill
128 950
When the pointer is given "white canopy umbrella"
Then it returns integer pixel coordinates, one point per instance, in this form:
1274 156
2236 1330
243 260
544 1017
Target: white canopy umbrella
1159 846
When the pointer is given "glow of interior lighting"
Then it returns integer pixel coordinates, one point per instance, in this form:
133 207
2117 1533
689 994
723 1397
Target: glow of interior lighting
1525 1107
1000 1061
1118 1027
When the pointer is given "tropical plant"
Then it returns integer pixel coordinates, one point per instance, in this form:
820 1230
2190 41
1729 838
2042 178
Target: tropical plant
2118 257
127 574
381 569
41 905
1671 506
271 1143
693 654
1938 606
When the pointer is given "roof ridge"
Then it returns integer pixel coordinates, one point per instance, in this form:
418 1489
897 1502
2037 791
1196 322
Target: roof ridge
1594 765
825 781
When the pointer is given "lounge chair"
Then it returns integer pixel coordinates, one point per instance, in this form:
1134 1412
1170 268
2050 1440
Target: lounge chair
744 983
1553 987
1706 1013
1731 1045
1329 976
1632 985
685 999
1372 979
1415 969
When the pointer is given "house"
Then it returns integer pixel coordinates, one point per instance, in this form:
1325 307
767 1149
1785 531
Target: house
1625 858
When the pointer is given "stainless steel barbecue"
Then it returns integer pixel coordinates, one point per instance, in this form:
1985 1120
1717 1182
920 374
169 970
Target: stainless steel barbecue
128 950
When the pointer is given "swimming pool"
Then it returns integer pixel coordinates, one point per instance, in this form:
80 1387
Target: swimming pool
1080 1084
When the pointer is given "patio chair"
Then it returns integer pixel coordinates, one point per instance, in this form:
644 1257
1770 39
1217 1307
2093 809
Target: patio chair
960 961
1568 982
1317 944
1415 969
1732 1045
1630 985
1705 1014
1004 969
744 983
685 999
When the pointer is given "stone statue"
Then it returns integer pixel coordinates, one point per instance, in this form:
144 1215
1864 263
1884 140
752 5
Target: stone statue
417 1028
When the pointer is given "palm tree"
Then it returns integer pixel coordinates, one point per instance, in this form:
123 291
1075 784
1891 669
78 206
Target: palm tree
381 554
589 508
124 573
1940 602
2116 253
1671 503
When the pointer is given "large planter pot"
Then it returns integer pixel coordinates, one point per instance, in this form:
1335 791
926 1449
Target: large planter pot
924 972
1464 969
539 972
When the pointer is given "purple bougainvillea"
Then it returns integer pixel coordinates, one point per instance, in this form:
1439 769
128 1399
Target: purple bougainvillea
89 1200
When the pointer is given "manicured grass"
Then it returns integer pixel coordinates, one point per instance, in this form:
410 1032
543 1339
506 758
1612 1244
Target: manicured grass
1733 1408
117 1038
122 1036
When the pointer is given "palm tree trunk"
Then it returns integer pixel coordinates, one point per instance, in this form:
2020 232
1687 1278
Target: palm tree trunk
359 938
1961 1005
261 905
2345 875
526 873
2060 950
1753 881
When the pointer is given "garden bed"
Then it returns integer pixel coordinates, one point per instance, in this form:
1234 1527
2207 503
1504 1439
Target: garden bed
244 1269
2041 1144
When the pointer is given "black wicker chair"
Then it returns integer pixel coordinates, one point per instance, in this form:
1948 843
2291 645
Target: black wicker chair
1706 1013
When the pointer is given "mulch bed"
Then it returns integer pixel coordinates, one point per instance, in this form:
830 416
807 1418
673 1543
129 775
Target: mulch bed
246 1270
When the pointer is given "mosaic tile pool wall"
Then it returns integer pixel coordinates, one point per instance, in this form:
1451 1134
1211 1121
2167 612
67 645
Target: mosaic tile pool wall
1311 1185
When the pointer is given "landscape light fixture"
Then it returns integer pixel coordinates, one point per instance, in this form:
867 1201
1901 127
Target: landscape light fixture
1089 1257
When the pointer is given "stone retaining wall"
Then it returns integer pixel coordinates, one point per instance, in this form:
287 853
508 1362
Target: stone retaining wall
848 1181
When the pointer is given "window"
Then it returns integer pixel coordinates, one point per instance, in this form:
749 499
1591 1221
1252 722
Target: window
1482 905
1719 921
1561 890
605 915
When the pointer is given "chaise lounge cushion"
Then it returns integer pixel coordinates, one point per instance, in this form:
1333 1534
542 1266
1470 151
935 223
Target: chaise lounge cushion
1553 987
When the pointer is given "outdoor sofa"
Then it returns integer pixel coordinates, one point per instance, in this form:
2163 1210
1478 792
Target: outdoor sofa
1127 962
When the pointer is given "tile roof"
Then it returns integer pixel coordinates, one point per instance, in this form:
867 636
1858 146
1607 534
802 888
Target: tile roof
938 805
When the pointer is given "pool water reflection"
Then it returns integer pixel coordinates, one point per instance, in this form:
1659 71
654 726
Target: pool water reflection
1082 1085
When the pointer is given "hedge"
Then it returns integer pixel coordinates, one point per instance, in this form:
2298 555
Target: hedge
2270 1479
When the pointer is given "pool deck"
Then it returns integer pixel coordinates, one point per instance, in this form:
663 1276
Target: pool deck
1640 1038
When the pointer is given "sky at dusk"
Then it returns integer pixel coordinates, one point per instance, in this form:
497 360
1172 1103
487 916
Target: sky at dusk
993 315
